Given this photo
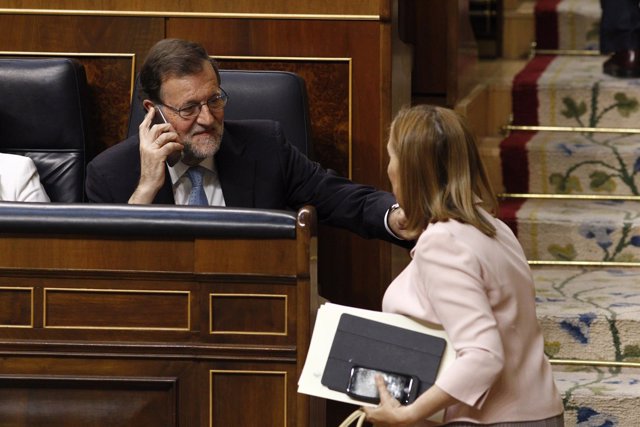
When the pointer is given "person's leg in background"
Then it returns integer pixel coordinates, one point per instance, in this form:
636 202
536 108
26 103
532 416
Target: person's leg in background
620 36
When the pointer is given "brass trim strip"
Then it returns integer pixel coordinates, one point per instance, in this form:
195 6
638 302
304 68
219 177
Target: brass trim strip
236 295
32 309
283 58
584 263
568 52
570 129
131 56
603 363
566 196
246 372
350 61
115 328
80 54
170 14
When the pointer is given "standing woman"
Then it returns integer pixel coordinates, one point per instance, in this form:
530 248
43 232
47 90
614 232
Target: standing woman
469 274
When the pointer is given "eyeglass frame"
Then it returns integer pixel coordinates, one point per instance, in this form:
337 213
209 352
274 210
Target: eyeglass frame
179 111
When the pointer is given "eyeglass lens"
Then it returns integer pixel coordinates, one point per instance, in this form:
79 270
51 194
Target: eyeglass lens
215 103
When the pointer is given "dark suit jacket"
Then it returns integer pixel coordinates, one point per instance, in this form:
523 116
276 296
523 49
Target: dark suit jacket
258 168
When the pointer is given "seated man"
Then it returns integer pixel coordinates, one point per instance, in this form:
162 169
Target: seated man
19 180
223 163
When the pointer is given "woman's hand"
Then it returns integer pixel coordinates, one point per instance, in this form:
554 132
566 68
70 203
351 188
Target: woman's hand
389 413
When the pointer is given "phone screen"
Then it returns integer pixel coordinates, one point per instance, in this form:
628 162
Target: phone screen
362 385
158 118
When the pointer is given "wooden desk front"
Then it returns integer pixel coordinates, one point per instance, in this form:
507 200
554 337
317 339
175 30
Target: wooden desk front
107 329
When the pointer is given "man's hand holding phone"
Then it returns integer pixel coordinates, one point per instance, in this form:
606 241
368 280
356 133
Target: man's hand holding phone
158 141
159 119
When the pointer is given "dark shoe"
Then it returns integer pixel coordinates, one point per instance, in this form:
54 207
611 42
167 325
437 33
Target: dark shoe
623 63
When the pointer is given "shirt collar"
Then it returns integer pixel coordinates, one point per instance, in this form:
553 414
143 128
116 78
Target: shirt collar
179 169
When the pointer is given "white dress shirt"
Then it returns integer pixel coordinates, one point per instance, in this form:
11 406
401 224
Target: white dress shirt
19 180
182 184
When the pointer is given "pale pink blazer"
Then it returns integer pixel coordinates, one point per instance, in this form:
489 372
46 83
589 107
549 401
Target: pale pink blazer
481 291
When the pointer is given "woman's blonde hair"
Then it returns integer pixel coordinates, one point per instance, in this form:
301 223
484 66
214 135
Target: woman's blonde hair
440 172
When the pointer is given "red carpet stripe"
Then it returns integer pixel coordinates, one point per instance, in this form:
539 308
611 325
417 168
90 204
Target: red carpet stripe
508 212
515 163
525 91
546 18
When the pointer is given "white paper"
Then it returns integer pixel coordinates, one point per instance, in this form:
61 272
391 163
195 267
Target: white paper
325 329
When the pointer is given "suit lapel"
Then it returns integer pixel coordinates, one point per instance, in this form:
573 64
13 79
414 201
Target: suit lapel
236 172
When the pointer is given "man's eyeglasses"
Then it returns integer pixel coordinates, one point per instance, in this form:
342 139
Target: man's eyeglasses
191 111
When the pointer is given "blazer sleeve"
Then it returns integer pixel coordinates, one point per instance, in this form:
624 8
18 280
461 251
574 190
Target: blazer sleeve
112 176
96 186
338 201
456 291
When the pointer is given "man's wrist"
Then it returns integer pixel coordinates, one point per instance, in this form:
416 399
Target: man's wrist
142 196
387 215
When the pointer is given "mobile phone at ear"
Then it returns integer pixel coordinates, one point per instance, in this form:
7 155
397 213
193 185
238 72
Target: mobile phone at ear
362 385
158 118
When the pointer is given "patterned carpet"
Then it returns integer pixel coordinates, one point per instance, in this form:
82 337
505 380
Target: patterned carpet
599 397
576 230
580 219
568 24
572 163
589 313
569 90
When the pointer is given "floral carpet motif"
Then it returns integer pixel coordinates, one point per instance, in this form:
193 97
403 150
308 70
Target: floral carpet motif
577 230
572 91
592 314
599 397
589 314
573 163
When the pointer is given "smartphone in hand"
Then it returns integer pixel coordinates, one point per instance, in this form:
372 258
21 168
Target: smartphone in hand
362 385
158 118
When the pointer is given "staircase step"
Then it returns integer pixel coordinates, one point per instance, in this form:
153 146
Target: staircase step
599 397
568 24
489 150
487 107
518 30
572 91
570 163
512 4
586 313
575 230
589 313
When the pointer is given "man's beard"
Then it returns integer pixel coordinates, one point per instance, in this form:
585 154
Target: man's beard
204 146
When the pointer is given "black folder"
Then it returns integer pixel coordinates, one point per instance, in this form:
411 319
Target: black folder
367 343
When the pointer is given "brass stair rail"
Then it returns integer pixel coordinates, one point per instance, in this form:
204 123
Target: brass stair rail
575 129
602 363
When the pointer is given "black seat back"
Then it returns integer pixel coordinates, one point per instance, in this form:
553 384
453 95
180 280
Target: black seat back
43 115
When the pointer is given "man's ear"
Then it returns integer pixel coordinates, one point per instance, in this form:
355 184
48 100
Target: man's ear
147 103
